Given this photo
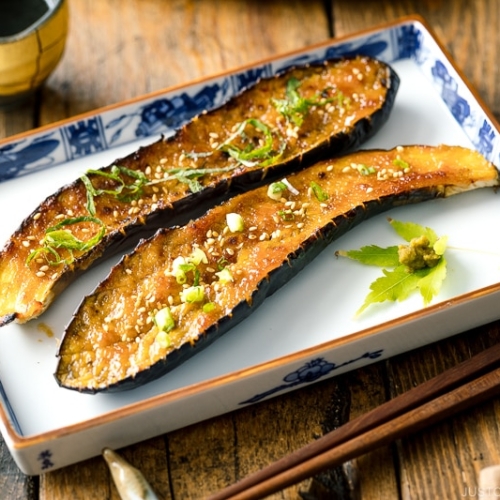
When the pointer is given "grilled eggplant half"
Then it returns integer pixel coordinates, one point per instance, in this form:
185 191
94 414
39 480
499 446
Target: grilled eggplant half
279 125
186 286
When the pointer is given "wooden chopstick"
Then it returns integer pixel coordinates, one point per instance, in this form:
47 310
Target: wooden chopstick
455 389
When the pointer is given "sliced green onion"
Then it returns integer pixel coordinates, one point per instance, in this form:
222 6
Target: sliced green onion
224 276
198 256
235 222
398 162
275 190
287 183
163 339
193 294
208 307
318 192
164 320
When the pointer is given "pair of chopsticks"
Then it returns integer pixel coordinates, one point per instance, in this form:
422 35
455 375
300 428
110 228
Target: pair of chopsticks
456 389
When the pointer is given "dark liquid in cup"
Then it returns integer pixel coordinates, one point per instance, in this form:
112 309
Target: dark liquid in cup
16 16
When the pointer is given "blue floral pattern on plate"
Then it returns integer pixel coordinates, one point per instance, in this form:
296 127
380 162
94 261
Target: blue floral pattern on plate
311 372
165 113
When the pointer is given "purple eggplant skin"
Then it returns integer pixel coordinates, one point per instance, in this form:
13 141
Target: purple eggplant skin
181 204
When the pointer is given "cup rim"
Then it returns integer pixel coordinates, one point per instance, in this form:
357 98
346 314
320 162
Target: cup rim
53 7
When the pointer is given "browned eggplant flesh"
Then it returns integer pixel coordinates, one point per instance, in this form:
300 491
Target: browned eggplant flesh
183 288
279 125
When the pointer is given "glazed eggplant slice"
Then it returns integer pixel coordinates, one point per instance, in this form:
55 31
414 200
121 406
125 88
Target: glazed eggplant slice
185 287
277 126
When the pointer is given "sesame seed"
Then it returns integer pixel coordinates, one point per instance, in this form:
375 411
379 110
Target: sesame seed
263 236
252 236
300 225
369 190
40 274
230 251
329 168
26 243
54 276
210 269
37 216
163 161
116 213
141 310
346 169
44 268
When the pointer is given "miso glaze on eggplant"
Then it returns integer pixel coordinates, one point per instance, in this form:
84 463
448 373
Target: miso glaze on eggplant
279 125
185 287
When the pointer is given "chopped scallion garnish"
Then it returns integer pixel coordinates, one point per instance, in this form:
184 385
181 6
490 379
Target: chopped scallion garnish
318 192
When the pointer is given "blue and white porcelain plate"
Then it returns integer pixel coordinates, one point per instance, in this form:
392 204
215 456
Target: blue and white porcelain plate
307 330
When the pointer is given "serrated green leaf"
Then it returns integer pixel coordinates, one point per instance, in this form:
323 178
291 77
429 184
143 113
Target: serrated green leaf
431 280
395 285
410 230
373 255
440 246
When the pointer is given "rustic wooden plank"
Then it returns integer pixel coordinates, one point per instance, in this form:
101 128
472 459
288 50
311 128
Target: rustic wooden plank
237 444
121 49
445 460
91 478
13 483
16 120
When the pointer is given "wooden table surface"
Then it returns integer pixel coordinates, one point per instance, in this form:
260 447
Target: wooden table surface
120 49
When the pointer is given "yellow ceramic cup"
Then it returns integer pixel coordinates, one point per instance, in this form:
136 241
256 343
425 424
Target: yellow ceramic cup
32 39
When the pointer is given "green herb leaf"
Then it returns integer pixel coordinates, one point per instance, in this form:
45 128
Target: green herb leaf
251 154
431 280
373 255
406 276
294 107
410 230
395 285
57 237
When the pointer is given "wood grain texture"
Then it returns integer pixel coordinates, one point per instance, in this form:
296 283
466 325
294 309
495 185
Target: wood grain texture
120 49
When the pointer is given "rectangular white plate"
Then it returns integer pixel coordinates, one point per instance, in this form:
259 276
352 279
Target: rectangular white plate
303 333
